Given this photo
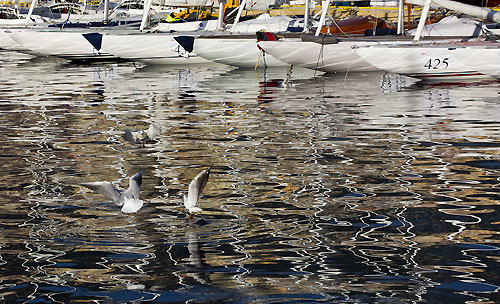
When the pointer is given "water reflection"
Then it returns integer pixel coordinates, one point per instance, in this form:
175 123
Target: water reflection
335 188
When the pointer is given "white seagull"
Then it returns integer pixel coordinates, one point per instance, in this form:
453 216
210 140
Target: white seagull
128 199
192 200
142 136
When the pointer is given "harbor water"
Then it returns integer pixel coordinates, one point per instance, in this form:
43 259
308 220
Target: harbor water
357 188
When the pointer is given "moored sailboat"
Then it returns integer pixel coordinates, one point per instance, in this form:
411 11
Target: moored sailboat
341 53
149 48
164 48
239 46
432 62
73 41
154 47
78 44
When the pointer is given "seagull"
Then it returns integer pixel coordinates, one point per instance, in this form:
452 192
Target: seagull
142 136
128 199
192 200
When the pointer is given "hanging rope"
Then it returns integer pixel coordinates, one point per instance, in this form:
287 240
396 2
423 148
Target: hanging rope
320 55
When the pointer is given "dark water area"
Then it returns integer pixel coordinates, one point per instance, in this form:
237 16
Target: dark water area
365 188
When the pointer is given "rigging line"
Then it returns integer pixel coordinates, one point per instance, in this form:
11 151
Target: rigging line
346 72
258 60
264 59
440 34
320 55
390 30
340 29
288 73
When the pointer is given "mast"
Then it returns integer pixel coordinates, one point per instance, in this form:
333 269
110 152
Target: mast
421 22
145 14
220 18
32 6
324 9
401 25
476 11
238 15
106 11
306 15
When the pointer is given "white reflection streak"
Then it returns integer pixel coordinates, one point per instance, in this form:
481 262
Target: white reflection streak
320 190
467 276
39 188
179 276
238 247
410 257
413 247
237 182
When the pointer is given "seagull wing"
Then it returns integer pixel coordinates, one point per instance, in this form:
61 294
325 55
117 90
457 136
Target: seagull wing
128 136
134 187
105 188
153 131
196 187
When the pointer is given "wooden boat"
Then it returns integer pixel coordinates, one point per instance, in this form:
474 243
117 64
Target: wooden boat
358 25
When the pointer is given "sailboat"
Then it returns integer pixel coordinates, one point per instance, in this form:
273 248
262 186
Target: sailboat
238 46
74 43
152 47
295 48
341 53
149 48
177 45
431 62
11 17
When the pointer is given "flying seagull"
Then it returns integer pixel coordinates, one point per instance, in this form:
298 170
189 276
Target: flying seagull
142 136
192 200
128 199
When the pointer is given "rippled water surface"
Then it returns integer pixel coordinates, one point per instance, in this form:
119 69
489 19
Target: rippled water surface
334 189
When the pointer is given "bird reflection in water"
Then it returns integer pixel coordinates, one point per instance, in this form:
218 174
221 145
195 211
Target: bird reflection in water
196 257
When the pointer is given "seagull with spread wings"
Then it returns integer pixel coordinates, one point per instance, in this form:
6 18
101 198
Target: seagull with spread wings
142 136
127 199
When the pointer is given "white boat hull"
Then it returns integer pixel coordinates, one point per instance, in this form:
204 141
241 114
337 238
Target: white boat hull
7 43
235 51
206 25
329 58
6 23
67 44
429 62
160 48
342 56
485 60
